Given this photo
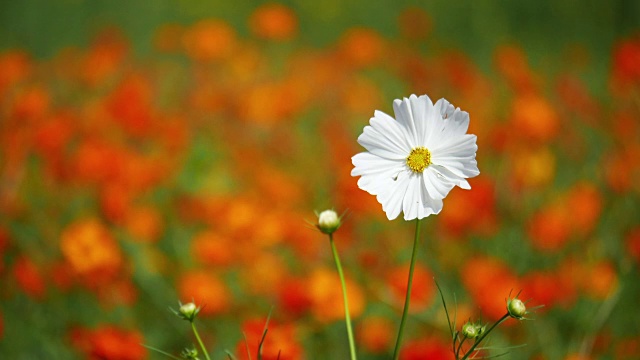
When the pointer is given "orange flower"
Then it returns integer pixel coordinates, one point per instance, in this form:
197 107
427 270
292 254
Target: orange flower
29 278
325 290
32 103
489 282
585 203
130 105
280 343
532 168
549 229
144 224
209 40
632 241
273 21
104 58
15 66
471 211
533 118
211 248
108 342
626 65
375 334
544 288
293 296
422 289
600 280
206 290
91 251
430 348
512 63
361 47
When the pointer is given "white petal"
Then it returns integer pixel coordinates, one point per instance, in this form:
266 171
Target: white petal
381 145
422 110
444 108
431 205
412 202
389 127
366 163
437 186
452 177
404 116
392 198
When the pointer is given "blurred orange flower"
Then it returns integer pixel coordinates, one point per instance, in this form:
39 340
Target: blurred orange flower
375 334
280 343
273 21
15 66
293 297
209 40
211 248
144 224
29 278
108 342
600 280
361 47
489 281
421 292
550 228
430 348
632 241
471 211
626 65
91 250
534 118
585 203
532 168
206 290
31 103
104 58
324 288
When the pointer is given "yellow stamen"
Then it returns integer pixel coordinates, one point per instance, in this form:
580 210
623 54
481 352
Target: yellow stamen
419 159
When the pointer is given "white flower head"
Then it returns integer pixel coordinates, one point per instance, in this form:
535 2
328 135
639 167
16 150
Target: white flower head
414 160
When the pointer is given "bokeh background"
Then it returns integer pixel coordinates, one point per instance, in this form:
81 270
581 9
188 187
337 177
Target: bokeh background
160 151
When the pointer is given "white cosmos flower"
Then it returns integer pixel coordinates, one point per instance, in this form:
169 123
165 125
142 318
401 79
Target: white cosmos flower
414 160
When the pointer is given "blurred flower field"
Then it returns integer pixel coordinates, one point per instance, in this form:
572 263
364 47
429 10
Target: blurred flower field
131 179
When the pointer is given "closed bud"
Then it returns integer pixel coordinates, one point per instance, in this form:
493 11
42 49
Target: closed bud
187 311
516 308
470 330
328 222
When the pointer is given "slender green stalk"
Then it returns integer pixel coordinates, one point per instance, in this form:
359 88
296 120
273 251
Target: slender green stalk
204 350
347 317
405 311
479 340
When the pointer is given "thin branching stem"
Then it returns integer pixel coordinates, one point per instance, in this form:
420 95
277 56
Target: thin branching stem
479 340
405 311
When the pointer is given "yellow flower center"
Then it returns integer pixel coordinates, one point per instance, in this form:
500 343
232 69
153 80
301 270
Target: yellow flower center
419 159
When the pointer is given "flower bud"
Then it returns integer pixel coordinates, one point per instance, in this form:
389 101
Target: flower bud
328 221
470 330
188 311
189 354
516 308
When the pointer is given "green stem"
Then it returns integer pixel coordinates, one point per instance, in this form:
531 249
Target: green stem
405 311
352 346
204 350
479 340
